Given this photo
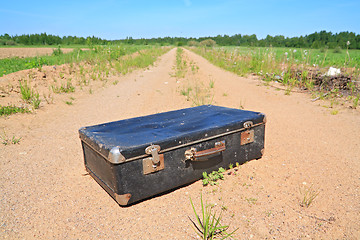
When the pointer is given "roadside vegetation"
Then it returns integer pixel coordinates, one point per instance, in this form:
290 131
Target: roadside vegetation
93 55
66 73
307 69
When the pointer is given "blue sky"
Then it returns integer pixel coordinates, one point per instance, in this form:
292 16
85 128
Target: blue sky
117 19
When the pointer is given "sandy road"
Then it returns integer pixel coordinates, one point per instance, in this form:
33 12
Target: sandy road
45 192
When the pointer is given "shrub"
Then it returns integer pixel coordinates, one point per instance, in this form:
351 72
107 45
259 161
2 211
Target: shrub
208 43
337 49
193 43
57 51
10 43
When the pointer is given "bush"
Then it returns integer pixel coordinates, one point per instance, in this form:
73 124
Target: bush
193 43
324 49
10 43
337 49
57 51
208 43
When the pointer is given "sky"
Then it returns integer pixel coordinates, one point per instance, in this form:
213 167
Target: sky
118 19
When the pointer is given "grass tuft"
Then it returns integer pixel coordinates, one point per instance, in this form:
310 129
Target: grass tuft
10 109
308 195
207 225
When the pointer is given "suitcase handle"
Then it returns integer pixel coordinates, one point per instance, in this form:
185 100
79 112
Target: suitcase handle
204 155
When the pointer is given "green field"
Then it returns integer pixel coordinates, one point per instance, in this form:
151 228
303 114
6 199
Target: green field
318 57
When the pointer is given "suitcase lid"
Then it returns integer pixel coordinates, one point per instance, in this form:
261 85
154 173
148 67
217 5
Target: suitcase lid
130 137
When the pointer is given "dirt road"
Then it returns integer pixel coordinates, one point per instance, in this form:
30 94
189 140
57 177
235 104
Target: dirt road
45 192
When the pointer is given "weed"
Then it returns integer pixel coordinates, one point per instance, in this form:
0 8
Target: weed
7 141
208 226
337 50
115 82
225 94
334 112
29 96
241 105
69 103
268 213
57 51
35 100
308 195
49 99
287 91
194 68
186 92
356 101
251 200
8 110
224 208
25 90
211 84
64 88
180 64
212 178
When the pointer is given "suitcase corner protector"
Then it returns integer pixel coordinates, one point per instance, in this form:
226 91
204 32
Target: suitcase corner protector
122 199
115 156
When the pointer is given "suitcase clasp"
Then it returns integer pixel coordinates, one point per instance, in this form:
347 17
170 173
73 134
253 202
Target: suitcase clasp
154 151
155 162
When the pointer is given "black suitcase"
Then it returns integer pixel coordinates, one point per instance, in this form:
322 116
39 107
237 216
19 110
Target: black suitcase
136 158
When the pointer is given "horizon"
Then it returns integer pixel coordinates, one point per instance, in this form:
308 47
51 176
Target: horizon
116 20
173 36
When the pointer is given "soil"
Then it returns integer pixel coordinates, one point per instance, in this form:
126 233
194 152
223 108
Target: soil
28 52
45 192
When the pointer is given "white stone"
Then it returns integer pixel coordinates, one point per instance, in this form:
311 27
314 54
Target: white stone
333 71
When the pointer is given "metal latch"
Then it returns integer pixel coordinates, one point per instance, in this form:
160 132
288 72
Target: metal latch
154 151
155 162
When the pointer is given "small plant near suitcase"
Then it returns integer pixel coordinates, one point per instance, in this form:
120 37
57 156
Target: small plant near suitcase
212 177
308 195
207 225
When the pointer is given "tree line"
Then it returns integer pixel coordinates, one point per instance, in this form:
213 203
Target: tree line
49 39
322 39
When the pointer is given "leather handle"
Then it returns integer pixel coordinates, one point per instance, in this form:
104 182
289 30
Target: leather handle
204 155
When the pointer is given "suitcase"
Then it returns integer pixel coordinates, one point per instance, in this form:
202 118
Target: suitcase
137 158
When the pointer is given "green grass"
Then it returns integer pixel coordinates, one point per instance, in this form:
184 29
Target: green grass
308 195
180 64
212 177
29 95
10 109
68 88
324 58
95 55
303 68
208 225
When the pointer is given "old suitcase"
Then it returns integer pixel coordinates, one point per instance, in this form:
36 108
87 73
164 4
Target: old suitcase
136 158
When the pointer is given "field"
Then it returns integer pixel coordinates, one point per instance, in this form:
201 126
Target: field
305 186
